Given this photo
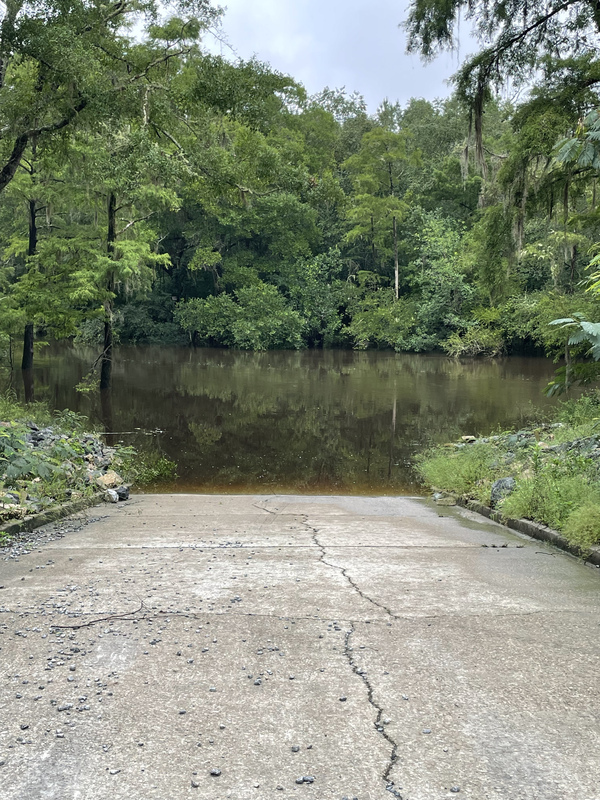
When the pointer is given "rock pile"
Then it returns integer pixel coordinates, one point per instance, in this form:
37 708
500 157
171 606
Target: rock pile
42 467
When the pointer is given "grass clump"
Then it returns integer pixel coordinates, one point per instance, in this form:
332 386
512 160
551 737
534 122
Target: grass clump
582 526
550 499
583 412
144 469
468 470
12 410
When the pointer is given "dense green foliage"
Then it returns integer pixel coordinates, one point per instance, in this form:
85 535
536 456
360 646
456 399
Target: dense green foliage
153 192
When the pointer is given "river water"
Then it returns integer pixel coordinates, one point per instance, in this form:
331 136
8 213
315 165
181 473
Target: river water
298 422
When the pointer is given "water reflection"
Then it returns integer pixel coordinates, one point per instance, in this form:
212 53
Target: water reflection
313 421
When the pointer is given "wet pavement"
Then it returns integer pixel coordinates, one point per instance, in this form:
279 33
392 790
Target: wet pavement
250 647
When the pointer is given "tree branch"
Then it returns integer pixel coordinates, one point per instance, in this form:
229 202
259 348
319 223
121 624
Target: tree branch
165 133
135 221
118 9
157 61
12 165
505 44
14 160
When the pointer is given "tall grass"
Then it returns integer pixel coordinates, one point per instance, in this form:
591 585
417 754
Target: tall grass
470 470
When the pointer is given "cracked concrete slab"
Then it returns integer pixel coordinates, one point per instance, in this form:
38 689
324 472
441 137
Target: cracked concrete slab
253 647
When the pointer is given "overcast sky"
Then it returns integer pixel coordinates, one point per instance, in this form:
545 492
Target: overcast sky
335 43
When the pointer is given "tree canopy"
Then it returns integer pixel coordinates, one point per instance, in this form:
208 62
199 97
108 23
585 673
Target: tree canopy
154 192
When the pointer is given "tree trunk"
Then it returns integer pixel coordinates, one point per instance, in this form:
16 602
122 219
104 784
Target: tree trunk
106 411
478 112
28 333
106 362
27 360
33 231
7 173
28 385
573 267
107 350
396 268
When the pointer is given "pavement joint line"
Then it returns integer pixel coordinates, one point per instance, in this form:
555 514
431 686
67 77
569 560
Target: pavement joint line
281 547
370 621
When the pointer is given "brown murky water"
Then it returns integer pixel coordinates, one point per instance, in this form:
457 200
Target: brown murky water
313 421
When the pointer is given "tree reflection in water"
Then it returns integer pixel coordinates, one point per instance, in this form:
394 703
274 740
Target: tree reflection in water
310 421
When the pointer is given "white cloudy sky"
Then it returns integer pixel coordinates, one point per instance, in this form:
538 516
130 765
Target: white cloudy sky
335 43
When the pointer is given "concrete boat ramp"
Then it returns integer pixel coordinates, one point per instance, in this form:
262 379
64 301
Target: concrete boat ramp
258 647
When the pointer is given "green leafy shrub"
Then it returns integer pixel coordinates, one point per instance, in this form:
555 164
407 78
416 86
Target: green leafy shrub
137 323
55 469
90 333
259 318
482 336
378 320
208 320
39 476
583 411
264 321
317 293
475 341
446 298
11 409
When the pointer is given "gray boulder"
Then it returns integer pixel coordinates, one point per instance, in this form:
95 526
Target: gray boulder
122 492
501 489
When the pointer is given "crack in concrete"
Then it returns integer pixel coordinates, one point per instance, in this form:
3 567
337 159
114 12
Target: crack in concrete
266 510
378 723
311 618
348 654
182 614
344 572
